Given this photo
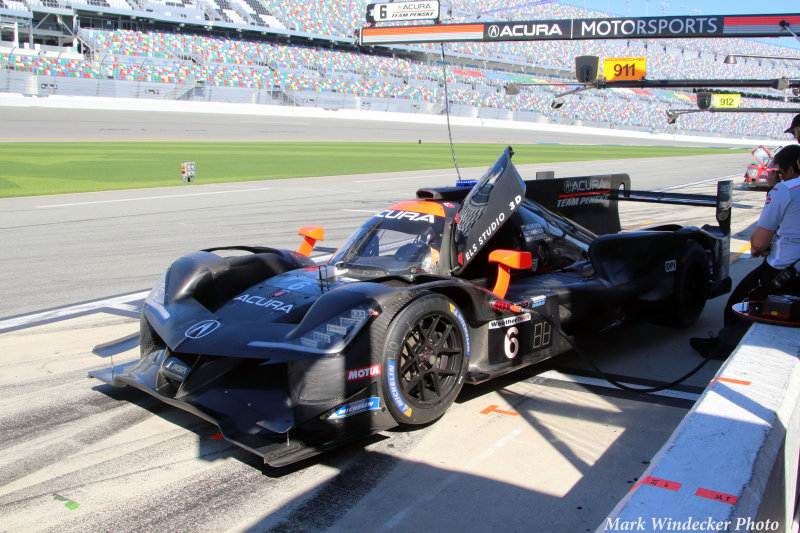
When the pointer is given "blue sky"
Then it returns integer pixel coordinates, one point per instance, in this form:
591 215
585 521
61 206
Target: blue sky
652 8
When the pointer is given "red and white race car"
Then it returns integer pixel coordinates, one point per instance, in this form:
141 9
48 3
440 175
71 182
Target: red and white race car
755 176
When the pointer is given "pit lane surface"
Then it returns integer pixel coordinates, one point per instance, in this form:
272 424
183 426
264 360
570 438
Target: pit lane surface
543 449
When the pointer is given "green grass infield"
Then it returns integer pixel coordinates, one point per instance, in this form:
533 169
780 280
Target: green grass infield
30 169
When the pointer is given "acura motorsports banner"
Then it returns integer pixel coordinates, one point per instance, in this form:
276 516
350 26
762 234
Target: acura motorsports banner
583 29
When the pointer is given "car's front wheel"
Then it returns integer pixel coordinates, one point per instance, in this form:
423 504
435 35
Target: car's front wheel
425 358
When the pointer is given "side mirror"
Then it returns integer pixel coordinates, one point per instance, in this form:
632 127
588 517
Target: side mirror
312 234
506 260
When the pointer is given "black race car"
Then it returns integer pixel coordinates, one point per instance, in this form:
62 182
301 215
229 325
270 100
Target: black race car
462 284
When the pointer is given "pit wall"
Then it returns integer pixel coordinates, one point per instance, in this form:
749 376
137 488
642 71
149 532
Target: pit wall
732 463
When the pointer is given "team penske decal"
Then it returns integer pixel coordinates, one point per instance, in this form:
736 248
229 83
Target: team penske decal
355 408
394 389
585 191
460 317
269 303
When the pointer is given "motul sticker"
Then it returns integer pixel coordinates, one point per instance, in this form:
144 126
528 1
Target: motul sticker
362 373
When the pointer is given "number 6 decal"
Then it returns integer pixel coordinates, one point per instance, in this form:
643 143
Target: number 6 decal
511 343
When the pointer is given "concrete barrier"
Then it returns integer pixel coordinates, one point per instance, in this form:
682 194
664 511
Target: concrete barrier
732 463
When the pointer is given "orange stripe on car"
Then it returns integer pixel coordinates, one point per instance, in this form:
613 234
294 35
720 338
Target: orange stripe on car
417 206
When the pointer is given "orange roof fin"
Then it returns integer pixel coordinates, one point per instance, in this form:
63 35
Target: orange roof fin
312 234
506 260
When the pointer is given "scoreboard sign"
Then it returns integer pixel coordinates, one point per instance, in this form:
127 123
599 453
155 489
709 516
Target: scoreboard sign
188 171
726 101
624 68
399 11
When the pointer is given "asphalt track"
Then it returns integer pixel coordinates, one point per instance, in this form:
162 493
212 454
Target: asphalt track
93 125
550 448
58 250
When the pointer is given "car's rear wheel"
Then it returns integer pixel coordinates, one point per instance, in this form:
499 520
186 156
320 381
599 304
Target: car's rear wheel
690 289
425 358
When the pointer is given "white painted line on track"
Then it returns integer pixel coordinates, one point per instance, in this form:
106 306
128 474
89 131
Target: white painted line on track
274 123
710 180
597 382
127 307
118 302
145 198
426 176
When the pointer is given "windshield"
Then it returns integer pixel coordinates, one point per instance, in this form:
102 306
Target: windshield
405 239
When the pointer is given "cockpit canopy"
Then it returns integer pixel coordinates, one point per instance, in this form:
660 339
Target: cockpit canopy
404 239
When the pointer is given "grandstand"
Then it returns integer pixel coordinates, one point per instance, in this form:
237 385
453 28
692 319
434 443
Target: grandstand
284 53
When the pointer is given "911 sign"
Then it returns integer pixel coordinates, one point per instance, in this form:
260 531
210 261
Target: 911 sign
624 68
388 12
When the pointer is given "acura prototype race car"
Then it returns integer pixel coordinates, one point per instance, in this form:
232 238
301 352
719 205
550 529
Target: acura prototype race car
756 174
458 285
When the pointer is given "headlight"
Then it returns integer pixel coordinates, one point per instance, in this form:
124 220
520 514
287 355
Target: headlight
752 172
336 333
157 299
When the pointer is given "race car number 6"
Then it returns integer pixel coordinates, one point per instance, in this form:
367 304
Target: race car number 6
511 343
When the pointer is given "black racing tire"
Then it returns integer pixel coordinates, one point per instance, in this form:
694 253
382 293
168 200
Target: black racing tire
425 358
690 290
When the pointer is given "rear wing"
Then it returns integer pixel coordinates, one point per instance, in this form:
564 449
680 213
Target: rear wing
722 201
592 201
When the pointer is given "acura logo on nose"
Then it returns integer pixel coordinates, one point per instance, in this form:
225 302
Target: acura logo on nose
201 329
493 31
